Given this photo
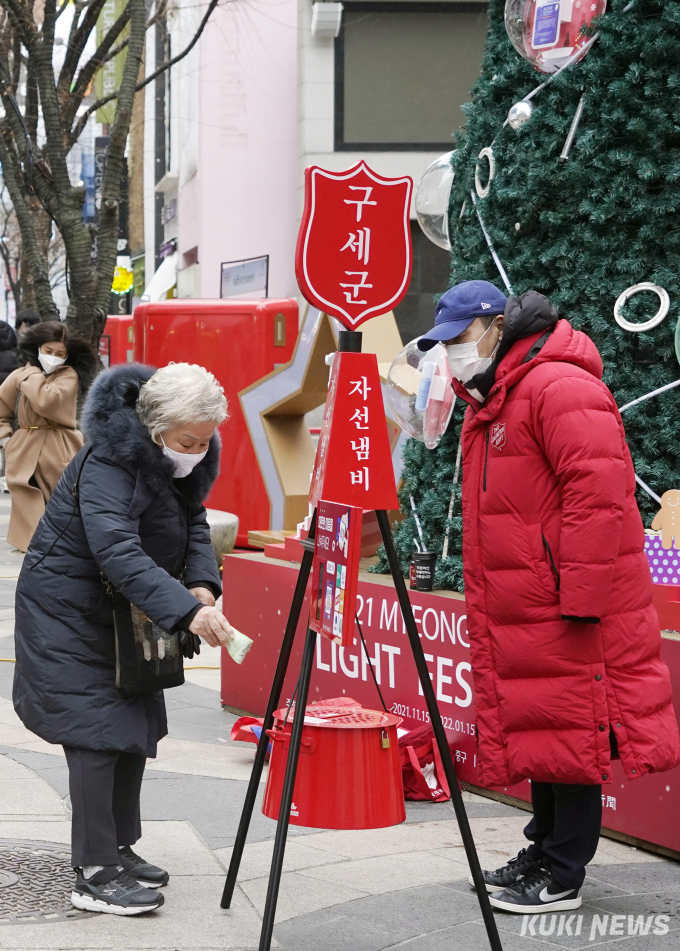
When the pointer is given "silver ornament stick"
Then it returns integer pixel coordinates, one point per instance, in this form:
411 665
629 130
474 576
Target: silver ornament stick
445 550
497 260
572 131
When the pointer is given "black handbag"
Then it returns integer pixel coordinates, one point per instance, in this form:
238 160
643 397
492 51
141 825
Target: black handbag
147 657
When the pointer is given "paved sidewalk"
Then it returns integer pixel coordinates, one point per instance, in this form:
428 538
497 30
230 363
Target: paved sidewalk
404 887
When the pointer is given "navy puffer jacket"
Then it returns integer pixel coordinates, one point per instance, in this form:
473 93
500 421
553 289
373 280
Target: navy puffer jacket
133 522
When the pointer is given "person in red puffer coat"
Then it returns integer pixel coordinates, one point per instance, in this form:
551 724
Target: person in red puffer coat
564 637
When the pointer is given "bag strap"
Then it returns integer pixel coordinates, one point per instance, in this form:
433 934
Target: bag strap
183 568
438 772
418 773
75 492
439 769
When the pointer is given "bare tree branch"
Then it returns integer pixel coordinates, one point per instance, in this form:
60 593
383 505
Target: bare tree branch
90 68
20 17
37 263
82 119
77 42
115 158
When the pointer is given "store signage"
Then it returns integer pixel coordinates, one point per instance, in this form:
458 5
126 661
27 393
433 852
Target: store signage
353 256
168 211
247 278
353 462
335 571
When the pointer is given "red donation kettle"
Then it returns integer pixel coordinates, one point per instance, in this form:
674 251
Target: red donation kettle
348 774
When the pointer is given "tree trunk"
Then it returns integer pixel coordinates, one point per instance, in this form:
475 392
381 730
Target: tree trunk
42 225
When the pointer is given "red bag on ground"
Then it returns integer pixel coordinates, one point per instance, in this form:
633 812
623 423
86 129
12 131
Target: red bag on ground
249 730
422 770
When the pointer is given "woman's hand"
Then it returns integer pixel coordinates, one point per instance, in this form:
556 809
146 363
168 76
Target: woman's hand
204 595
212 626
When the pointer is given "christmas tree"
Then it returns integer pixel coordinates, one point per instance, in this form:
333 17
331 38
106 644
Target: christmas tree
580 230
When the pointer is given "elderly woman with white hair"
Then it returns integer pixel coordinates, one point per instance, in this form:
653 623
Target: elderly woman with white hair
119 581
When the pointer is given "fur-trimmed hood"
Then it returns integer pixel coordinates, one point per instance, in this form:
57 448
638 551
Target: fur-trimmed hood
110 423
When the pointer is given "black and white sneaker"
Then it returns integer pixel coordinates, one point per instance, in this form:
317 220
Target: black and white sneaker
113 892
508 874
144 872
535 893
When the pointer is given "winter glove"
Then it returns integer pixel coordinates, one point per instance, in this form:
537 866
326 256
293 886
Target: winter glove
191 644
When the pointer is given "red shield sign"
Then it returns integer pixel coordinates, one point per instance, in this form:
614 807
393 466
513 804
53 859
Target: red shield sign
353 256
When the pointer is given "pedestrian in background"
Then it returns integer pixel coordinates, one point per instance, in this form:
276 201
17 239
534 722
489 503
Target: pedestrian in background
42 395
8 362
564 638
25 318
127 516
8 358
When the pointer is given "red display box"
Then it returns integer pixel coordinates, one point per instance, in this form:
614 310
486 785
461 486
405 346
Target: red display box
257 597
239 341
116 344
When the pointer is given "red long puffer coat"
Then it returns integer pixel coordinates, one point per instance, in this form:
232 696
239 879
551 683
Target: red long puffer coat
550 528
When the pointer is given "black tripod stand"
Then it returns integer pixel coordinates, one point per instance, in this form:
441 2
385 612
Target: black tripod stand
348 341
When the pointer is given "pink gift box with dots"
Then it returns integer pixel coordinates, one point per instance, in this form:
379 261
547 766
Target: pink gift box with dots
664 563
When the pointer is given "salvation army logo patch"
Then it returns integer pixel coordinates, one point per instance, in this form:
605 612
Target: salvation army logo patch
498 435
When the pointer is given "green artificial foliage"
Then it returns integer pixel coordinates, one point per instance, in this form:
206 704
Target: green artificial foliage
579 231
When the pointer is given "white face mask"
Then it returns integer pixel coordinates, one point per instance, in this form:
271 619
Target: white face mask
464 359
182 462
50 363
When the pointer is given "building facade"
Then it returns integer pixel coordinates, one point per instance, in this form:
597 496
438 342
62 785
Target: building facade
272 88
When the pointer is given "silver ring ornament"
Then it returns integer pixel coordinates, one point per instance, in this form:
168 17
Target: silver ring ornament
664 304
485 153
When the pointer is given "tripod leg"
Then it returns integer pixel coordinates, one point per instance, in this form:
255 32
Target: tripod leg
440 735
274 697
287 794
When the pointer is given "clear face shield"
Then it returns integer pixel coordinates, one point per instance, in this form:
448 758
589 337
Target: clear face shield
419 392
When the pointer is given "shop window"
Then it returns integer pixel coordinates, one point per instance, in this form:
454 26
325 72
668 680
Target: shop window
402 72
430 276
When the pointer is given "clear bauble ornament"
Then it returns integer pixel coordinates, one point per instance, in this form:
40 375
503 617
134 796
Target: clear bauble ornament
419 392
520 114
432 201
548 32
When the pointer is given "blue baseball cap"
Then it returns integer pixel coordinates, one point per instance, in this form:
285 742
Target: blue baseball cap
458 307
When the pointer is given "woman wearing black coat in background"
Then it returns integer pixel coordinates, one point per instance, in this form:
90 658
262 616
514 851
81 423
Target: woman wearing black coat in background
8 358
151 458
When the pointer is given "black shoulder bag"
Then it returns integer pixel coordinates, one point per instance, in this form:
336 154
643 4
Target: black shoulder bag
147 657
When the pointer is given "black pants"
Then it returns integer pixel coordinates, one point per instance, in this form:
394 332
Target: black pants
104 787
565 828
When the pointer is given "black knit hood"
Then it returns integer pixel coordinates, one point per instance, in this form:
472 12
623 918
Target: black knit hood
524 316
110 423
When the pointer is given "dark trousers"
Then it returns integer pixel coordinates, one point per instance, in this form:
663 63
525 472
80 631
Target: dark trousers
565 828
104 787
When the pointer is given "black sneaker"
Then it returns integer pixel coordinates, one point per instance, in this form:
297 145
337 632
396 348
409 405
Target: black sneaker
508 874
113 892
536 893
146 874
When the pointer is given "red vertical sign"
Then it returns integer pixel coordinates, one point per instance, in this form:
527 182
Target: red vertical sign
353 460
